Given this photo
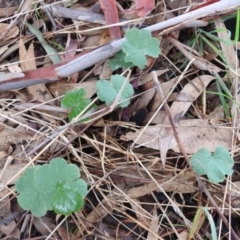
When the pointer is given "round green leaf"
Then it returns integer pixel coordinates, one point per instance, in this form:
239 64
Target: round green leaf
72 98
23 180
199 161
107 91
119 62
79 186
64 171
215 166
39 188
30 196
34 201
138 44
45 179
75 100
66 201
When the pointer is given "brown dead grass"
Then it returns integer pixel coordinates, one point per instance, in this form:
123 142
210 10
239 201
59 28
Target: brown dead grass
140 187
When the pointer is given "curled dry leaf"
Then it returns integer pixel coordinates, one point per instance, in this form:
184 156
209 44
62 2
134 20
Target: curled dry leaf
184 99
193 133
189 94
13 32
7 11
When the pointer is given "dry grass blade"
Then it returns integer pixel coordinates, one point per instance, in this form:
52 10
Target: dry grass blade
135 160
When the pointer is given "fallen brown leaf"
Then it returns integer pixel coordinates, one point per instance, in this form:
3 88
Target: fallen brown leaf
13 32
193 134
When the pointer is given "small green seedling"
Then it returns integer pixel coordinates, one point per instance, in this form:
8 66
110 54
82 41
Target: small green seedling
138 44
56 186
215 166
107 91
198 216
119 62
75 100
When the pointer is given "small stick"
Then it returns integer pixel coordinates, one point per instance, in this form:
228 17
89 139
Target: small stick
53 73
110 49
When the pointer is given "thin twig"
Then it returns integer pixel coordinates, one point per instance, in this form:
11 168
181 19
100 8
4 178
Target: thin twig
110 49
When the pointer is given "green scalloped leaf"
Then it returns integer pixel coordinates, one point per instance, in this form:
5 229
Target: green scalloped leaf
215 166
107 91
75 100
67 201
119 62
55 186
138 44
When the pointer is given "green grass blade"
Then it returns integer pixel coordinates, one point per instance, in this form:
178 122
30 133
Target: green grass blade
223 86
236 38
52 53
216 38
216 50
212 224
217 93
222 99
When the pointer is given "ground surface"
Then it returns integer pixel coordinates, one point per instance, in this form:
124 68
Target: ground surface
134 159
